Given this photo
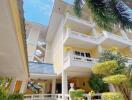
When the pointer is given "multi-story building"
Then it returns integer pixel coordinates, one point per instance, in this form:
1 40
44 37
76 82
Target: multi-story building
74 44
35 36
62 53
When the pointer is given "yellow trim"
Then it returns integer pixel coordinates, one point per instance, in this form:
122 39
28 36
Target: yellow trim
19 32
68 48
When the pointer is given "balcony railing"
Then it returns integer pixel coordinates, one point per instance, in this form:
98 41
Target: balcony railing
82 35
83 19
98 39
73 60
40 68
58 97
84 59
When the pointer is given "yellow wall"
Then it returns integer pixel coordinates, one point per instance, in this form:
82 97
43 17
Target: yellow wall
81 83
18 86
92 52
126 52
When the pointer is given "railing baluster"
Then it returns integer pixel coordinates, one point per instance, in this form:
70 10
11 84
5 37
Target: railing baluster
55 97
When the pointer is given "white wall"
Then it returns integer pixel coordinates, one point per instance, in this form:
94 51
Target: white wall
57 48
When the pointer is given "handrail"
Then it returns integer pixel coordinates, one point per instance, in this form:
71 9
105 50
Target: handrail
46 97
82 35
84 59
115 35
99 37
57 96
82 19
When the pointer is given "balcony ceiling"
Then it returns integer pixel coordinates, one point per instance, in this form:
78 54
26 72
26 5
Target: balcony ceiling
78 72
79 27
108 43
79 43
11 63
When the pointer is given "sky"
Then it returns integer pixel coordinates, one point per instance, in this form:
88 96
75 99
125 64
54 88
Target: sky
39 10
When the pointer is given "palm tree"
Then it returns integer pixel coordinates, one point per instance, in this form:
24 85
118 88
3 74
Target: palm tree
108 13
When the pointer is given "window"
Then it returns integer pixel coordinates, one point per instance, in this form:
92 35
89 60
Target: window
77 53
83 54
87 55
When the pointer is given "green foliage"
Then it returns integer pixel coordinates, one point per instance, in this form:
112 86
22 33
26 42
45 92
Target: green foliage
5 84
77 8
116 56
2 95
4 89
77 94
104 13
104 68
128 72
115 79
15 96
112 96
97 84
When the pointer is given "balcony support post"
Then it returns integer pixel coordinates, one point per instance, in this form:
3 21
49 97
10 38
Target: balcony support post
94 31
64 85
124 34
53 86
99 48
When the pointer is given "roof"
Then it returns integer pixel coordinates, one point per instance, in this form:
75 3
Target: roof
41 68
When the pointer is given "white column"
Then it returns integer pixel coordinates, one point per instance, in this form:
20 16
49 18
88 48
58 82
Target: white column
12 86
94 32
124 34
23 86
53 86
64 85
130 48
99 49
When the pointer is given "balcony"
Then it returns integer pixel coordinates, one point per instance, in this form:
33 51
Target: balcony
106 39
78 63
84 19
114 40
73 38
41 70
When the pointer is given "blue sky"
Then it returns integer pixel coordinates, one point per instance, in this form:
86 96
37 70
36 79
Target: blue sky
39 10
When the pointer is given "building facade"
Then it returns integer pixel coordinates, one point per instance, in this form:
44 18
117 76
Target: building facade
75 44
71 48
60 54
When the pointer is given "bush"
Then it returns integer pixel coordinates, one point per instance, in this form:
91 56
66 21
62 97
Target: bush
115 79
97 84
15 96
112 96
77 94
104 68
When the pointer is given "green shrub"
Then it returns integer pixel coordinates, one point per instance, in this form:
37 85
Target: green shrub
77 94
112 96
104 68
97 84
15 96
115 79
